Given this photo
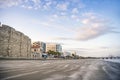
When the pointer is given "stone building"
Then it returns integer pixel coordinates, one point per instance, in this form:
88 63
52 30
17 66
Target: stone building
14 44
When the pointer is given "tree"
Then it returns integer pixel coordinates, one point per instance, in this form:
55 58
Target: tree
73 55
50 52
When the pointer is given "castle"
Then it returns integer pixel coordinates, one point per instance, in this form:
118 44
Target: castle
14 44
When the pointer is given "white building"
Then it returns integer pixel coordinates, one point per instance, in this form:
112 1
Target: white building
38 48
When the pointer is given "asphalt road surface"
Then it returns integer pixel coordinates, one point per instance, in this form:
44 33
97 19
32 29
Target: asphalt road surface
83 69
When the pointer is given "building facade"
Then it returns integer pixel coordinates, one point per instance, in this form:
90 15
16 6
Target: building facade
14 44
58 48
53 47
38 48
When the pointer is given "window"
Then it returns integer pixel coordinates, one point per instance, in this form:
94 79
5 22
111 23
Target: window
34 49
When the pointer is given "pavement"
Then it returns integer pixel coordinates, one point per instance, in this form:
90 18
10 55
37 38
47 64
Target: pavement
82 69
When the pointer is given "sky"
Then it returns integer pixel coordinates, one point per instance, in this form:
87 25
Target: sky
87 27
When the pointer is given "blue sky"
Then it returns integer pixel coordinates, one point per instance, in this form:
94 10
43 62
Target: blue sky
89 27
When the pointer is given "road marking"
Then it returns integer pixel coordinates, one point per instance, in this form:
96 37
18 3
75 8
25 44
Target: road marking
66 65
11 70
55 77
19 75
49 71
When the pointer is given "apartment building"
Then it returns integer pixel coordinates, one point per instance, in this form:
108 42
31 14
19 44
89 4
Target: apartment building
53 47
38 48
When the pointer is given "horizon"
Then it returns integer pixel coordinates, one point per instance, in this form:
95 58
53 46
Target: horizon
91 28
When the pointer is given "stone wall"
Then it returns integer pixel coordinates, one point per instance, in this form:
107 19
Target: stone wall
14 43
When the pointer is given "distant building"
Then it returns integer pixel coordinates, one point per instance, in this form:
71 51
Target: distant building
58 48
38 48
43 47
53 47
67 54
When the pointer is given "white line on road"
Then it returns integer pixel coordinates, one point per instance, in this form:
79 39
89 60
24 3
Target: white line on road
11 70
19 75
66 65
49 71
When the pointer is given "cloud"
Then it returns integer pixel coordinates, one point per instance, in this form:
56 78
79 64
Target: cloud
43 4
78 49
31 4
28 4
27 7
63 13
74 16
47 5
9 3
62 38
55 16
51 24
93 26
91 32
104 47
115 32
78 3
63 6
75 11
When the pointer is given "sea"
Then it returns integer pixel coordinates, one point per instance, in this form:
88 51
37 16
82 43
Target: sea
113 60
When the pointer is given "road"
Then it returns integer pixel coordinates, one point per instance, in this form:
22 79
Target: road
83 69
